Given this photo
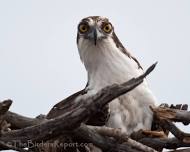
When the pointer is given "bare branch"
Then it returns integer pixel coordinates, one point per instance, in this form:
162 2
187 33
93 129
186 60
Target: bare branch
100 99
168 143
168 125
18 121
181 150
172 114
54 127
55 124
117 134
4 107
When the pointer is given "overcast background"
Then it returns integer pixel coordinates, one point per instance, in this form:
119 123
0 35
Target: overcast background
39 61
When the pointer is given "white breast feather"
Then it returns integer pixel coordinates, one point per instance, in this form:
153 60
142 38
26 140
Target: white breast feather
106 65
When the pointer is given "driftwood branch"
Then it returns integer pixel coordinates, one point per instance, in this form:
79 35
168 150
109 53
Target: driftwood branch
117 134
180 135
172 114
181 150
169 143
4 107
65 121
53 127
105 143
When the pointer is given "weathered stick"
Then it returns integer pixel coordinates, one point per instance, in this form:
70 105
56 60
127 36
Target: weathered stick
54 127
172 114
117 134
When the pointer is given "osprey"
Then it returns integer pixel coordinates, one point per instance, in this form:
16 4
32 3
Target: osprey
107 62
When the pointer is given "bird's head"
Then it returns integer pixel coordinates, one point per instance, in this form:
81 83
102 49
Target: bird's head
93 29
97 41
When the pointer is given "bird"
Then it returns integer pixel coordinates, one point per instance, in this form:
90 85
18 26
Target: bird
108 62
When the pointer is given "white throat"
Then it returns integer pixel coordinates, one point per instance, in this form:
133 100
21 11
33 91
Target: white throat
105 63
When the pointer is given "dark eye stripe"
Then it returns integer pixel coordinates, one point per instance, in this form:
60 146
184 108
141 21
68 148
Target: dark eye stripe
86 20
105 23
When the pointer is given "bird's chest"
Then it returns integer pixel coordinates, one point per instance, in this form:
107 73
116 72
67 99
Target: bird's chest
111 72
130 112
127 114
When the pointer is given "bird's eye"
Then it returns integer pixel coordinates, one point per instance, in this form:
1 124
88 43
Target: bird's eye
107 28
83 28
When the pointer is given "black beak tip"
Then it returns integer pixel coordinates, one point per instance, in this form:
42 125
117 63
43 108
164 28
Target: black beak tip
95 37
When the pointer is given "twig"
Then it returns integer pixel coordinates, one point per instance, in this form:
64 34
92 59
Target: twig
172 114
168 125
105 143
168 143
4 107
181 150
117 134
18 121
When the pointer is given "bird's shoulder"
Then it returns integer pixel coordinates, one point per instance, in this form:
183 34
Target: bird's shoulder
68 104
125 51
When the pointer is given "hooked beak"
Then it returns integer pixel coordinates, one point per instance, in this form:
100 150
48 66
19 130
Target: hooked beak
95 36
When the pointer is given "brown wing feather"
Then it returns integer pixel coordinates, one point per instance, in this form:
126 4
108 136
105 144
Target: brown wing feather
124 50
64 105
68 104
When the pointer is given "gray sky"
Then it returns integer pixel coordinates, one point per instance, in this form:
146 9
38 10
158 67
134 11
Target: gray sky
39 61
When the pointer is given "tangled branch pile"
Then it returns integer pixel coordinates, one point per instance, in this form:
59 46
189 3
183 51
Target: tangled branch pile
65 128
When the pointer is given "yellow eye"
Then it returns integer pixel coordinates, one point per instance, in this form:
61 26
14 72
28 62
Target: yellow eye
107 28
83 28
